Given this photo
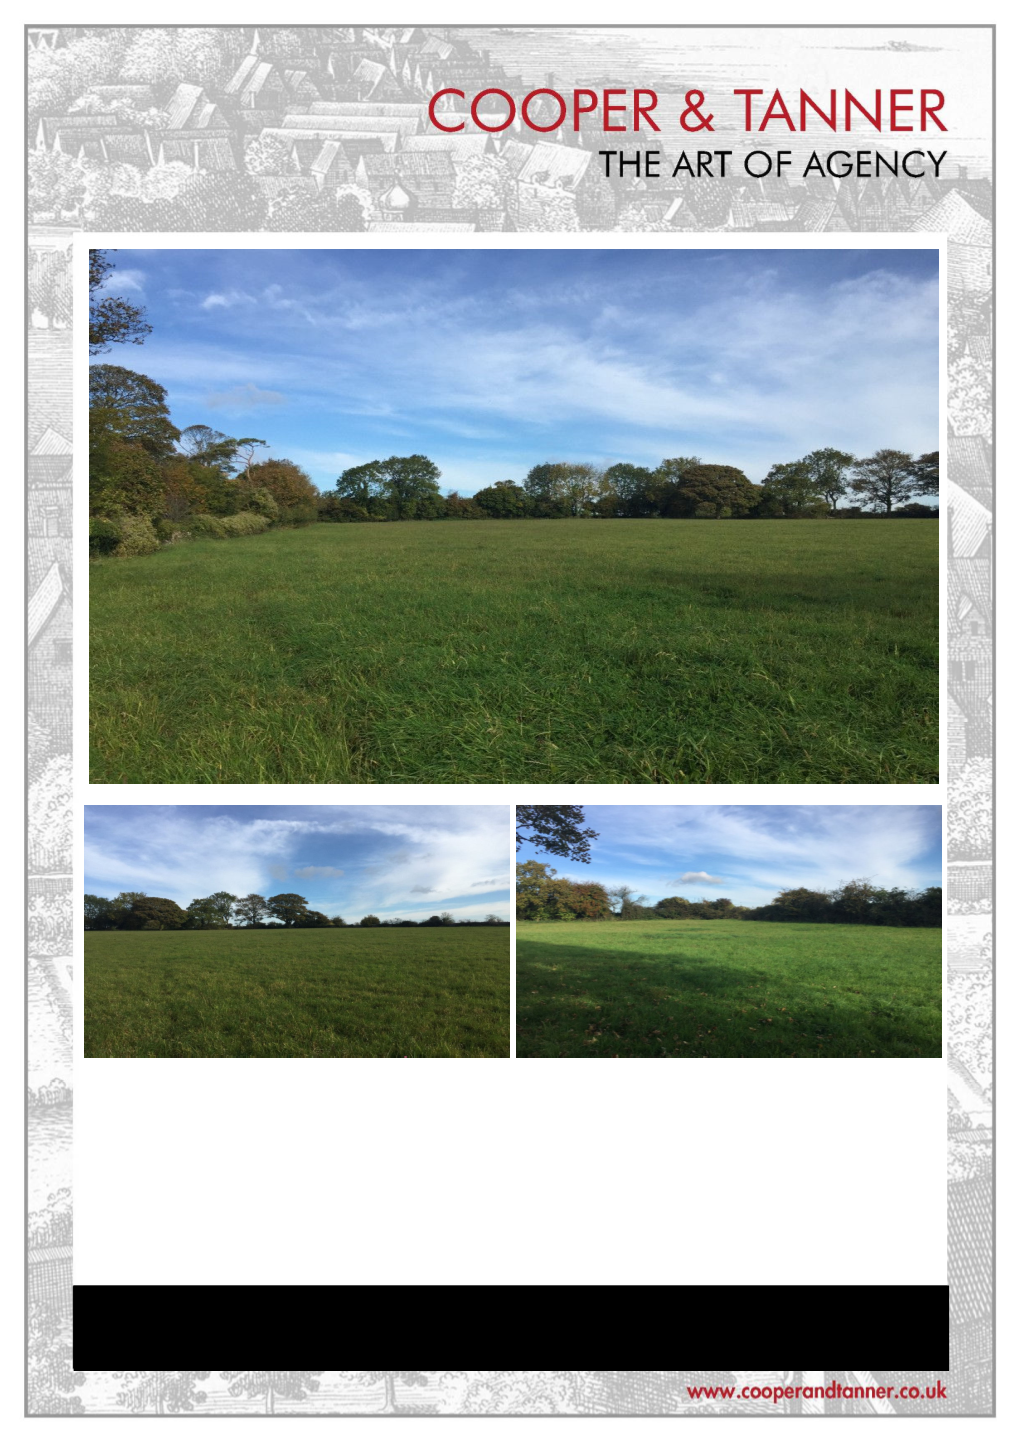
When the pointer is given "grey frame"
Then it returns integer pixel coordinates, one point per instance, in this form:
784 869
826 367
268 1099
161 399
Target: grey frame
962 212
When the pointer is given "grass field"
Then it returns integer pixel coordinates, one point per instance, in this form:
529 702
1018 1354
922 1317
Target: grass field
727 988
351 992
611 651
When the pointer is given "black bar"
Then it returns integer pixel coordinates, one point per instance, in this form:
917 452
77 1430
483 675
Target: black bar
696 1328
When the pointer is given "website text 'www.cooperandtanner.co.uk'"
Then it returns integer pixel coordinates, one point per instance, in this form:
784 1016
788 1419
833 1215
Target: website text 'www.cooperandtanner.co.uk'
841 1390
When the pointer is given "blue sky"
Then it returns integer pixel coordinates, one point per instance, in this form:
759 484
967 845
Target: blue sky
749 853
407 861
492 361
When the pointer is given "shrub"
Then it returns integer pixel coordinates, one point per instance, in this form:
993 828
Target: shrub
245 523
287 483
463 508
168 531
300 514
103 536
137 537
262 503
338 508
208 526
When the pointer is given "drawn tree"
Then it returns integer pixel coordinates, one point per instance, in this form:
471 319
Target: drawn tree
350 212
266 155
161 1392
49 285
290 1386
484 182
390 1380
55 182
51 1377
521 1393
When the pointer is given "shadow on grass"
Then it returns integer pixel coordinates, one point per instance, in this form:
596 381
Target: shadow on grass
580 1001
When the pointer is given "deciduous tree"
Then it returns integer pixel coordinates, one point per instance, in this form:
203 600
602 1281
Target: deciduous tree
112 320
287 907
101 914
708 491
541 894
790 490
565 488
626 898
314 918
633 487
926 474
884 480
250 909
132 407
829 469
411 486
154 913
559 830
505 500
202 915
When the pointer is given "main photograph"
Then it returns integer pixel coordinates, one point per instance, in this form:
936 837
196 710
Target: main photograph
466 515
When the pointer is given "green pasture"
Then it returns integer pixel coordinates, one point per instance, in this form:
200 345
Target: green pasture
522 651
436 991
727 988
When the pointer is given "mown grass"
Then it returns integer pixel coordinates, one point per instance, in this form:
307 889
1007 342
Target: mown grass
570 651
727 988
352 992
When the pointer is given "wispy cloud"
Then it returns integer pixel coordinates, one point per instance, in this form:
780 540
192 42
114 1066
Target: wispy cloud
755 851
352 859
491 363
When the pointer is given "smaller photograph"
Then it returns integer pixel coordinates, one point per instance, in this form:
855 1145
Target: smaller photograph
297 931
729 931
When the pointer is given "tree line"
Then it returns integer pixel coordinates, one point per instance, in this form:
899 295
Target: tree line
542 895
152 483
682 487
135 911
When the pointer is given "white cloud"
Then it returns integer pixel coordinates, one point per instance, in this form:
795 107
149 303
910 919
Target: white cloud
701 876
307 872
118 280
763 849
247 397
